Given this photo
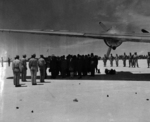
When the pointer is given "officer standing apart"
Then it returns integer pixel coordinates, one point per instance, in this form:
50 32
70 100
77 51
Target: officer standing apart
16 67
24 68
33 65
41 64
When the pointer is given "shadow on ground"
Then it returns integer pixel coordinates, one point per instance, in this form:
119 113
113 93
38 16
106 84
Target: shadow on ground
118 76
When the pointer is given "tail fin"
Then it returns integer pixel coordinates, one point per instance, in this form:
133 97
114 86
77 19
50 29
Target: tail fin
144 31
104 27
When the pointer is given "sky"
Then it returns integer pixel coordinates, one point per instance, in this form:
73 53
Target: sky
72 15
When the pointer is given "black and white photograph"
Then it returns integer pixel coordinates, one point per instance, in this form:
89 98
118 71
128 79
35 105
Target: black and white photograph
74 61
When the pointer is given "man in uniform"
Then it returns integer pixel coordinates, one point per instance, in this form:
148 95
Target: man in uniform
16 67
136 59
24 68
92 65
117 60
148 59
130 59
105 60
2 61
111 60
33 65
124 60
41 64
9 61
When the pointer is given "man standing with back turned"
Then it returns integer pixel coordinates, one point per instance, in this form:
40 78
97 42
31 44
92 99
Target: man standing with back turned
33 65
16 67
24 68
41 64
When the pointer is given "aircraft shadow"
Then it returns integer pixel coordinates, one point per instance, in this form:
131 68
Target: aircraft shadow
127 76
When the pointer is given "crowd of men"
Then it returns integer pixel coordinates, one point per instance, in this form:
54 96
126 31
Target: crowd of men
66 66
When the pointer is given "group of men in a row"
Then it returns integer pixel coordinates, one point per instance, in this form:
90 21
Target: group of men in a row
71 65
132 58
19 66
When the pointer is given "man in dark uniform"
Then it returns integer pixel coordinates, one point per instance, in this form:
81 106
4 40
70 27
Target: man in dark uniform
124 59
53 67
9 61
148 59
63 66
16 67
2 61
79 66
92 65
130 60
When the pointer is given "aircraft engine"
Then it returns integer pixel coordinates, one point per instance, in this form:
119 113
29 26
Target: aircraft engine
113 43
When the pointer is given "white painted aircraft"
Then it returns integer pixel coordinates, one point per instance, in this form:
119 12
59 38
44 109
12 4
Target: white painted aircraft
111 37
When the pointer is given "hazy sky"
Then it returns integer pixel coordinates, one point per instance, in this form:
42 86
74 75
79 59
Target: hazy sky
73 15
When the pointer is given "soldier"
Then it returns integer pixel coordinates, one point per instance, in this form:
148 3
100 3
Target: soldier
9 61
33 65
79 66
92 65
124 60
47 61
16 67
41 64
105 60
53 67
148 59
117 60
130 60
63 66
2 61
111 60
136 60
24 67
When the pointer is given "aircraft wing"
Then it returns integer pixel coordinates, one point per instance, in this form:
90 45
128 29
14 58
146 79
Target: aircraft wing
120 37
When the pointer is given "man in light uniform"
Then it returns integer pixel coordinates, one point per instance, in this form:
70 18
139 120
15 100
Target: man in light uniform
117 60
111 60
24 68
41 64
33 65
16 67
105 60
136 60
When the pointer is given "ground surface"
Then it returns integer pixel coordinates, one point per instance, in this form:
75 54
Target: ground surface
123 97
